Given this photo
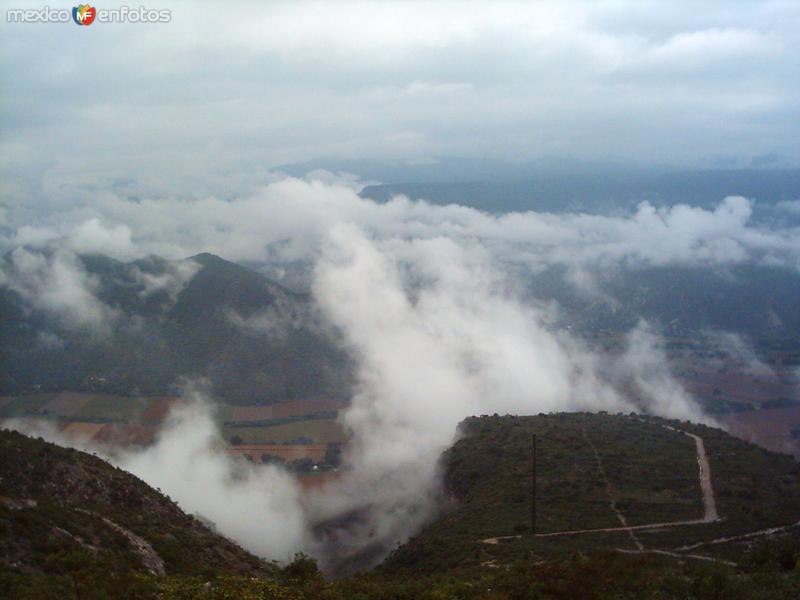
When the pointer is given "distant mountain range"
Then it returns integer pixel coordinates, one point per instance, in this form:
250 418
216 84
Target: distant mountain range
759 302
255 341
608 191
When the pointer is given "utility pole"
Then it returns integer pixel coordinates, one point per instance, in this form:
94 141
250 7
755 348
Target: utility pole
533 485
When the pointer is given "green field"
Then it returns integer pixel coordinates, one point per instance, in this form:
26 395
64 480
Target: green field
318 431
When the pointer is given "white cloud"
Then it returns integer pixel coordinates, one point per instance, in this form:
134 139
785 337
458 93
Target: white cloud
57 284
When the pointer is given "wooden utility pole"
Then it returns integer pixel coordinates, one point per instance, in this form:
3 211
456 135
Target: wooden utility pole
533 485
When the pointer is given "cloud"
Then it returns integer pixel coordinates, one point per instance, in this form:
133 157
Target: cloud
454 343
438 333
290 82
57 284
258 506
740 351
643 371
286 219
172 280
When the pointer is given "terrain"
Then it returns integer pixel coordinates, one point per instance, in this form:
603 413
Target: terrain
253 340
588 188
67 516
624 483
627 507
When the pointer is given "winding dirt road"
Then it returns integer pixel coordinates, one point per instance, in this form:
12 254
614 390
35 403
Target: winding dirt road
710 514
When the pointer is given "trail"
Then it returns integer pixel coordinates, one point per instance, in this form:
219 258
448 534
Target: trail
710 514
734 538
676 555
709 502
610 493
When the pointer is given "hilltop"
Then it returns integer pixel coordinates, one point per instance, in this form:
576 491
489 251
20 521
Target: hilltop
616 483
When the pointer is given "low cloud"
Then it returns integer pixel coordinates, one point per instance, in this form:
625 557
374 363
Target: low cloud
258 506
58 285
429 302
438 333
287 219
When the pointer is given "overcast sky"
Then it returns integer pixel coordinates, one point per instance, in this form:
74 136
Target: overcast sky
226 92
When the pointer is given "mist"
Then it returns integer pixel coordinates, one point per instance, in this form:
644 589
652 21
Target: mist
439 331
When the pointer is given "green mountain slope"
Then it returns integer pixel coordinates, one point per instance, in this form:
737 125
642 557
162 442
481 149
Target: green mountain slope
593 471
59 506
255 341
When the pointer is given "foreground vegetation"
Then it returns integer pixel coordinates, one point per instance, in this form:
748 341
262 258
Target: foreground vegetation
771 573
65 518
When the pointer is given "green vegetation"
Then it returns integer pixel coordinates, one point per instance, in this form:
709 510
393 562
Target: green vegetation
306 431
61 512
58 504
652 474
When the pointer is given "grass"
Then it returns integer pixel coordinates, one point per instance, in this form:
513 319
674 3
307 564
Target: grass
652 473
319 431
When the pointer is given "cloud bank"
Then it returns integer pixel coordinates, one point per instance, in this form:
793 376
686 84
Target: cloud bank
430 304
439 332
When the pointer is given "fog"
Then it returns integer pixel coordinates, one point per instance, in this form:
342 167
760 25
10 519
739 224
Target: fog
435 321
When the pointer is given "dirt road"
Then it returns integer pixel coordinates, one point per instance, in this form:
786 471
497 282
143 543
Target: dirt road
710 514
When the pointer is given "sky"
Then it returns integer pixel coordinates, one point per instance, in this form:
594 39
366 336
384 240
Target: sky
220 95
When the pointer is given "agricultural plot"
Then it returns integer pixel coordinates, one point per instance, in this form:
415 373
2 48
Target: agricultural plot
113 408
293 409
288 452
770 428
316 431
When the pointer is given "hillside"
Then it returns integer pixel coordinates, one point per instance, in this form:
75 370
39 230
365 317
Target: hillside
65 511
597 475
73 526
255 341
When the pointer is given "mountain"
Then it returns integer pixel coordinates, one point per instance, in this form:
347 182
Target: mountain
595 475
255 341
68 517
76 527
756 301
600 191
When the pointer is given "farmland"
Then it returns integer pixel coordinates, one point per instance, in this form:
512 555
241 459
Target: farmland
294 430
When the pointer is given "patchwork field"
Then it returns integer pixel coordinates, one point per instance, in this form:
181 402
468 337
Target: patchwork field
316 431
770 428
291 430
288 452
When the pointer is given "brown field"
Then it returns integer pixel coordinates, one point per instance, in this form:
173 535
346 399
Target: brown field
159 409
315 452
304 408
252 413
315 480
738 386
768 428
67 404
85 431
